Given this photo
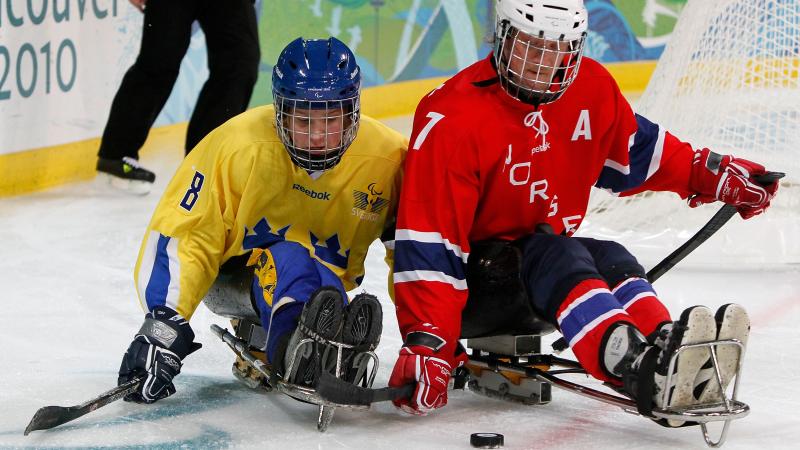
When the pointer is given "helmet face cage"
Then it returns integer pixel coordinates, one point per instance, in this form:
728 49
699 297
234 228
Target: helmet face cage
533 68
316 133
315 90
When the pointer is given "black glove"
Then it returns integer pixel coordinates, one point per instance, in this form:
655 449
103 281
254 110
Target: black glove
157 350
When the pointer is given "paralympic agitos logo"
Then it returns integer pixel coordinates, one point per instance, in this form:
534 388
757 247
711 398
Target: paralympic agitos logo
367 205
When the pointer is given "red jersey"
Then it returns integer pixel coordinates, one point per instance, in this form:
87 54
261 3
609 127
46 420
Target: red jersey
483 165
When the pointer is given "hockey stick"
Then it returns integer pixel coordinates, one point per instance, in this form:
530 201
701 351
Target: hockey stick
53 416
336 390
712 226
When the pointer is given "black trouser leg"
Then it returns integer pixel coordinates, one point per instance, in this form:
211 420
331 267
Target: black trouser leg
552 265
614 262
538 280
148 83
233 58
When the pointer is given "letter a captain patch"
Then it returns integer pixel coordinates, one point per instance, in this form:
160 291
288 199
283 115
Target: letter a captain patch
583 128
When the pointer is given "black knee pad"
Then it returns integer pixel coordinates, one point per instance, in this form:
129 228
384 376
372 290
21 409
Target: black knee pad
493 265
497 302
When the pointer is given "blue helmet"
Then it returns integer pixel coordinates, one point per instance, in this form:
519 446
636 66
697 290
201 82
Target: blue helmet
315 89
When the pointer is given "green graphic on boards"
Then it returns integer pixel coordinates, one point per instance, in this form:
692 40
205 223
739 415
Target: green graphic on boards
398 40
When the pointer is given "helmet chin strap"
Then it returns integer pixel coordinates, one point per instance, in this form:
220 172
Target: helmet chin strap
311 162
528 96
290 114
539 98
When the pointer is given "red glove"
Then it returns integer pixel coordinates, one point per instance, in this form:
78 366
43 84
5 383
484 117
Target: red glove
420 363
729 180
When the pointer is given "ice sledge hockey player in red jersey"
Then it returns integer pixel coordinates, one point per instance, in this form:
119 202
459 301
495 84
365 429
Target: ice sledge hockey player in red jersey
513 144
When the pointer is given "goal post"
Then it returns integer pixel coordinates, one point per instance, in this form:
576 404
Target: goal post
729 80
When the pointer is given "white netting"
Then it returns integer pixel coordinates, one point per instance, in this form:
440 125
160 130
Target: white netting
728 80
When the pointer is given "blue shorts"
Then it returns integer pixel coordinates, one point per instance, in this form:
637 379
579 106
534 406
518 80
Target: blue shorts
285 276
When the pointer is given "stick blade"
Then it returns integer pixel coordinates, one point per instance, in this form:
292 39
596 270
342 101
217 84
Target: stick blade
49 417
340 392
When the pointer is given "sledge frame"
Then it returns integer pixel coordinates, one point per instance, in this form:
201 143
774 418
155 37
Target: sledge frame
505 354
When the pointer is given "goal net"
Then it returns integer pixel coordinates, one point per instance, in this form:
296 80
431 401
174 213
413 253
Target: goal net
727 80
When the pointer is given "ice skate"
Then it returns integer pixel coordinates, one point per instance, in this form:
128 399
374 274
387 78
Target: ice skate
733 323
362 330
126 174
315 347
310 350
645 378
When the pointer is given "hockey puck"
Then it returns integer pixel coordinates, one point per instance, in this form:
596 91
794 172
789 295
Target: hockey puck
486 440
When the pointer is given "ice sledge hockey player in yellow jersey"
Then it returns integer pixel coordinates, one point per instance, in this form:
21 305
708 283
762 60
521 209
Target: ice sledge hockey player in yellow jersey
292 195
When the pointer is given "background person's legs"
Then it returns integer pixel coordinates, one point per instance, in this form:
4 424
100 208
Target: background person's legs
148 83
233 58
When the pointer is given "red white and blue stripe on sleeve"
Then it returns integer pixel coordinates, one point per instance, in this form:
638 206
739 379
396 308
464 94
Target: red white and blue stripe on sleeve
428 256
624 172
159 272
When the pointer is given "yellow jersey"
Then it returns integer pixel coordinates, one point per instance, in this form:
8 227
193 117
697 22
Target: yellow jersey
239 190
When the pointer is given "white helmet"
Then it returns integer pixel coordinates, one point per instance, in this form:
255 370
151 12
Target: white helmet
538 46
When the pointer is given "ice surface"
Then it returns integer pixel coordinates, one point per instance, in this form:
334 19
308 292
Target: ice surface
69 310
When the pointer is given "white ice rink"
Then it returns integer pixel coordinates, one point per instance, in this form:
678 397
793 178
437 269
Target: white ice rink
69 311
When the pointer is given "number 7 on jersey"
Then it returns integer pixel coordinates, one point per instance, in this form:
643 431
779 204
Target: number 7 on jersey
435 118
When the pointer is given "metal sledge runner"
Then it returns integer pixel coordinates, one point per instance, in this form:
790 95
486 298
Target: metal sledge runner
303 393
527 377
331 338
514 368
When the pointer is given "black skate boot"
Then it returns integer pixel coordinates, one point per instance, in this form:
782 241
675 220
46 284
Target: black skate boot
362 329
308 351
732 323
644 367
127 174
